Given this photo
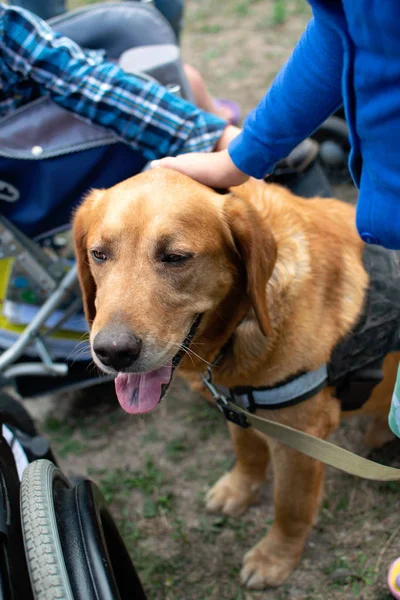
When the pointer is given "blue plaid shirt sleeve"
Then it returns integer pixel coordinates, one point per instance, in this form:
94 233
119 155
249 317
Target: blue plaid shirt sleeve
142 113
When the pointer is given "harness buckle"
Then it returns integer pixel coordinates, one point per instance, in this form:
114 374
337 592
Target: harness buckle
207 380
238 418
230 414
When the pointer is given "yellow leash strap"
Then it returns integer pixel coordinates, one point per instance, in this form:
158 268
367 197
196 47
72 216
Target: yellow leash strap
321 450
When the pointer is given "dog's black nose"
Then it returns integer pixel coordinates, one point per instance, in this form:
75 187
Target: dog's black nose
116 347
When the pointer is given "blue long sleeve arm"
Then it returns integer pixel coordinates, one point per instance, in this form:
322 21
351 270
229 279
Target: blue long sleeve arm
304 93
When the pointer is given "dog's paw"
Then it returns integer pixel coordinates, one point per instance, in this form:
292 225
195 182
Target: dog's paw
263 569
232 494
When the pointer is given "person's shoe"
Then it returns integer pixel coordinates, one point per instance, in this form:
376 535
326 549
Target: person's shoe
229 107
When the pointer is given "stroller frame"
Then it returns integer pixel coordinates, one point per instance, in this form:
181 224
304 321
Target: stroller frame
50 276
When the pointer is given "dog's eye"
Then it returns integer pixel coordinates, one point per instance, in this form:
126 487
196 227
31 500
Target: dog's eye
175 258
99 256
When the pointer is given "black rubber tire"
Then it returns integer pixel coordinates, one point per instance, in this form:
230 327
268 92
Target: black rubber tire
15 581
334 129
46 565
72 544
14 415
12 412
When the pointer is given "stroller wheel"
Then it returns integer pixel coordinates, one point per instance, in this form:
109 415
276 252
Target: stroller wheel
47 570
73 548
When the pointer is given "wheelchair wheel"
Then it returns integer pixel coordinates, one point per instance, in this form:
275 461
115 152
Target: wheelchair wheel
47 570
13 413
333 138
14 577
16 418
73 547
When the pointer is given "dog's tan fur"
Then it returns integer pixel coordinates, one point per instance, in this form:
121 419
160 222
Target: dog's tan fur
285 274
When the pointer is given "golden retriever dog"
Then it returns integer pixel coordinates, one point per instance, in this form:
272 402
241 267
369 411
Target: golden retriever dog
166 263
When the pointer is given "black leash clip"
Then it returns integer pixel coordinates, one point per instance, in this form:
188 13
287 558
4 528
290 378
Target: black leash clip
236 417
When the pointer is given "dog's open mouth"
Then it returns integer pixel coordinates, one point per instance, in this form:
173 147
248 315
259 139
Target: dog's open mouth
140 393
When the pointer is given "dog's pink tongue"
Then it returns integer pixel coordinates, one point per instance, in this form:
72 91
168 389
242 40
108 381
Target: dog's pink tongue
140 392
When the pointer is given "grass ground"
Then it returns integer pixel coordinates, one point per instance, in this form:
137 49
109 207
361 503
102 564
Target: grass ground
155 470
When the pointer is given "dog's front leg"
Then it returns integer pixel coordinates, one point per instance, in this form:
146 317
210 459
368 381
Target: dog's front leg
298 483
240 488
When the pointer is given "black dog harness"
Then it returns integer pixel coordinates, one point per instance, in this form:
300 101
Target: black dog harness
355 367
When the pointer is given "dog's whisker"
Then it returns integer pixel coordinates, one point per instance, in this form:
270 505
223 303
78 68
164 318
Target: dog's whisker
79 348
189 351
184 348
77 352
82 342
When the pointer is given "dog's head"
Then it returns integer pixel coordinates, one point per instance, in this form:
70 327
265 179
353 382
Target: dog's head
156 255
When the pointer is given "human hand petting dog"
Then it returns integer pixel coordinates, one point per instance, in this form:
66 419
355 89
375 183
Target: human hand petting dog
215 169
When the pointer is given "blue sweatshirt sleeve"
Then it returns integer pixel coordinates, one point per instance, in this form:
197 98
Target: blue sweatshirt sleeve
304 93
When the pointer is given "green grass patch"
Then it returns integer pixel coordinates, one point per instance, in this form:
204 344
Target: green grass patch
342 503
151 436
177 448
356 573
279 12
242 8
206 419
62 438
114 482
156 572
213 53
179 531
210 28
192 473
390 486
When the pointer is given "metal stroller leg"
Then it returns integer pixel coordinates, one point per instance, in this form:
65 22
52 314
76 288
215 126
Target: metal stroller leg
49 275
67 285
33 259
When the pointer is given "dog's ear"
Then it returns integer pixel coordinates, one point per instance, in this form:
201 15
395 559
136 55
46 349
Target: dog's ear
80 228
255 244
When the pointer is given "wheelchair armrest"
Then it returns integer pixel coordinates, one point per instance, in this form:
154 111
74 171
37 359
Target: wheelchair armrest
115 27
160 61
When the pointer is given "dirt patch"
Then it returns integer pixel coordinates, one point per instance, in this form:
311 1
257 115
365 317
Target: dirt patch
240 46
155 470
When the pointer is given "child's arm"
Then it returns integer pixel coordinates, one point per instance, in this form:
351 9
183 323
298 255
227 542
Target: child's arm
141 113
215 170
305 92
